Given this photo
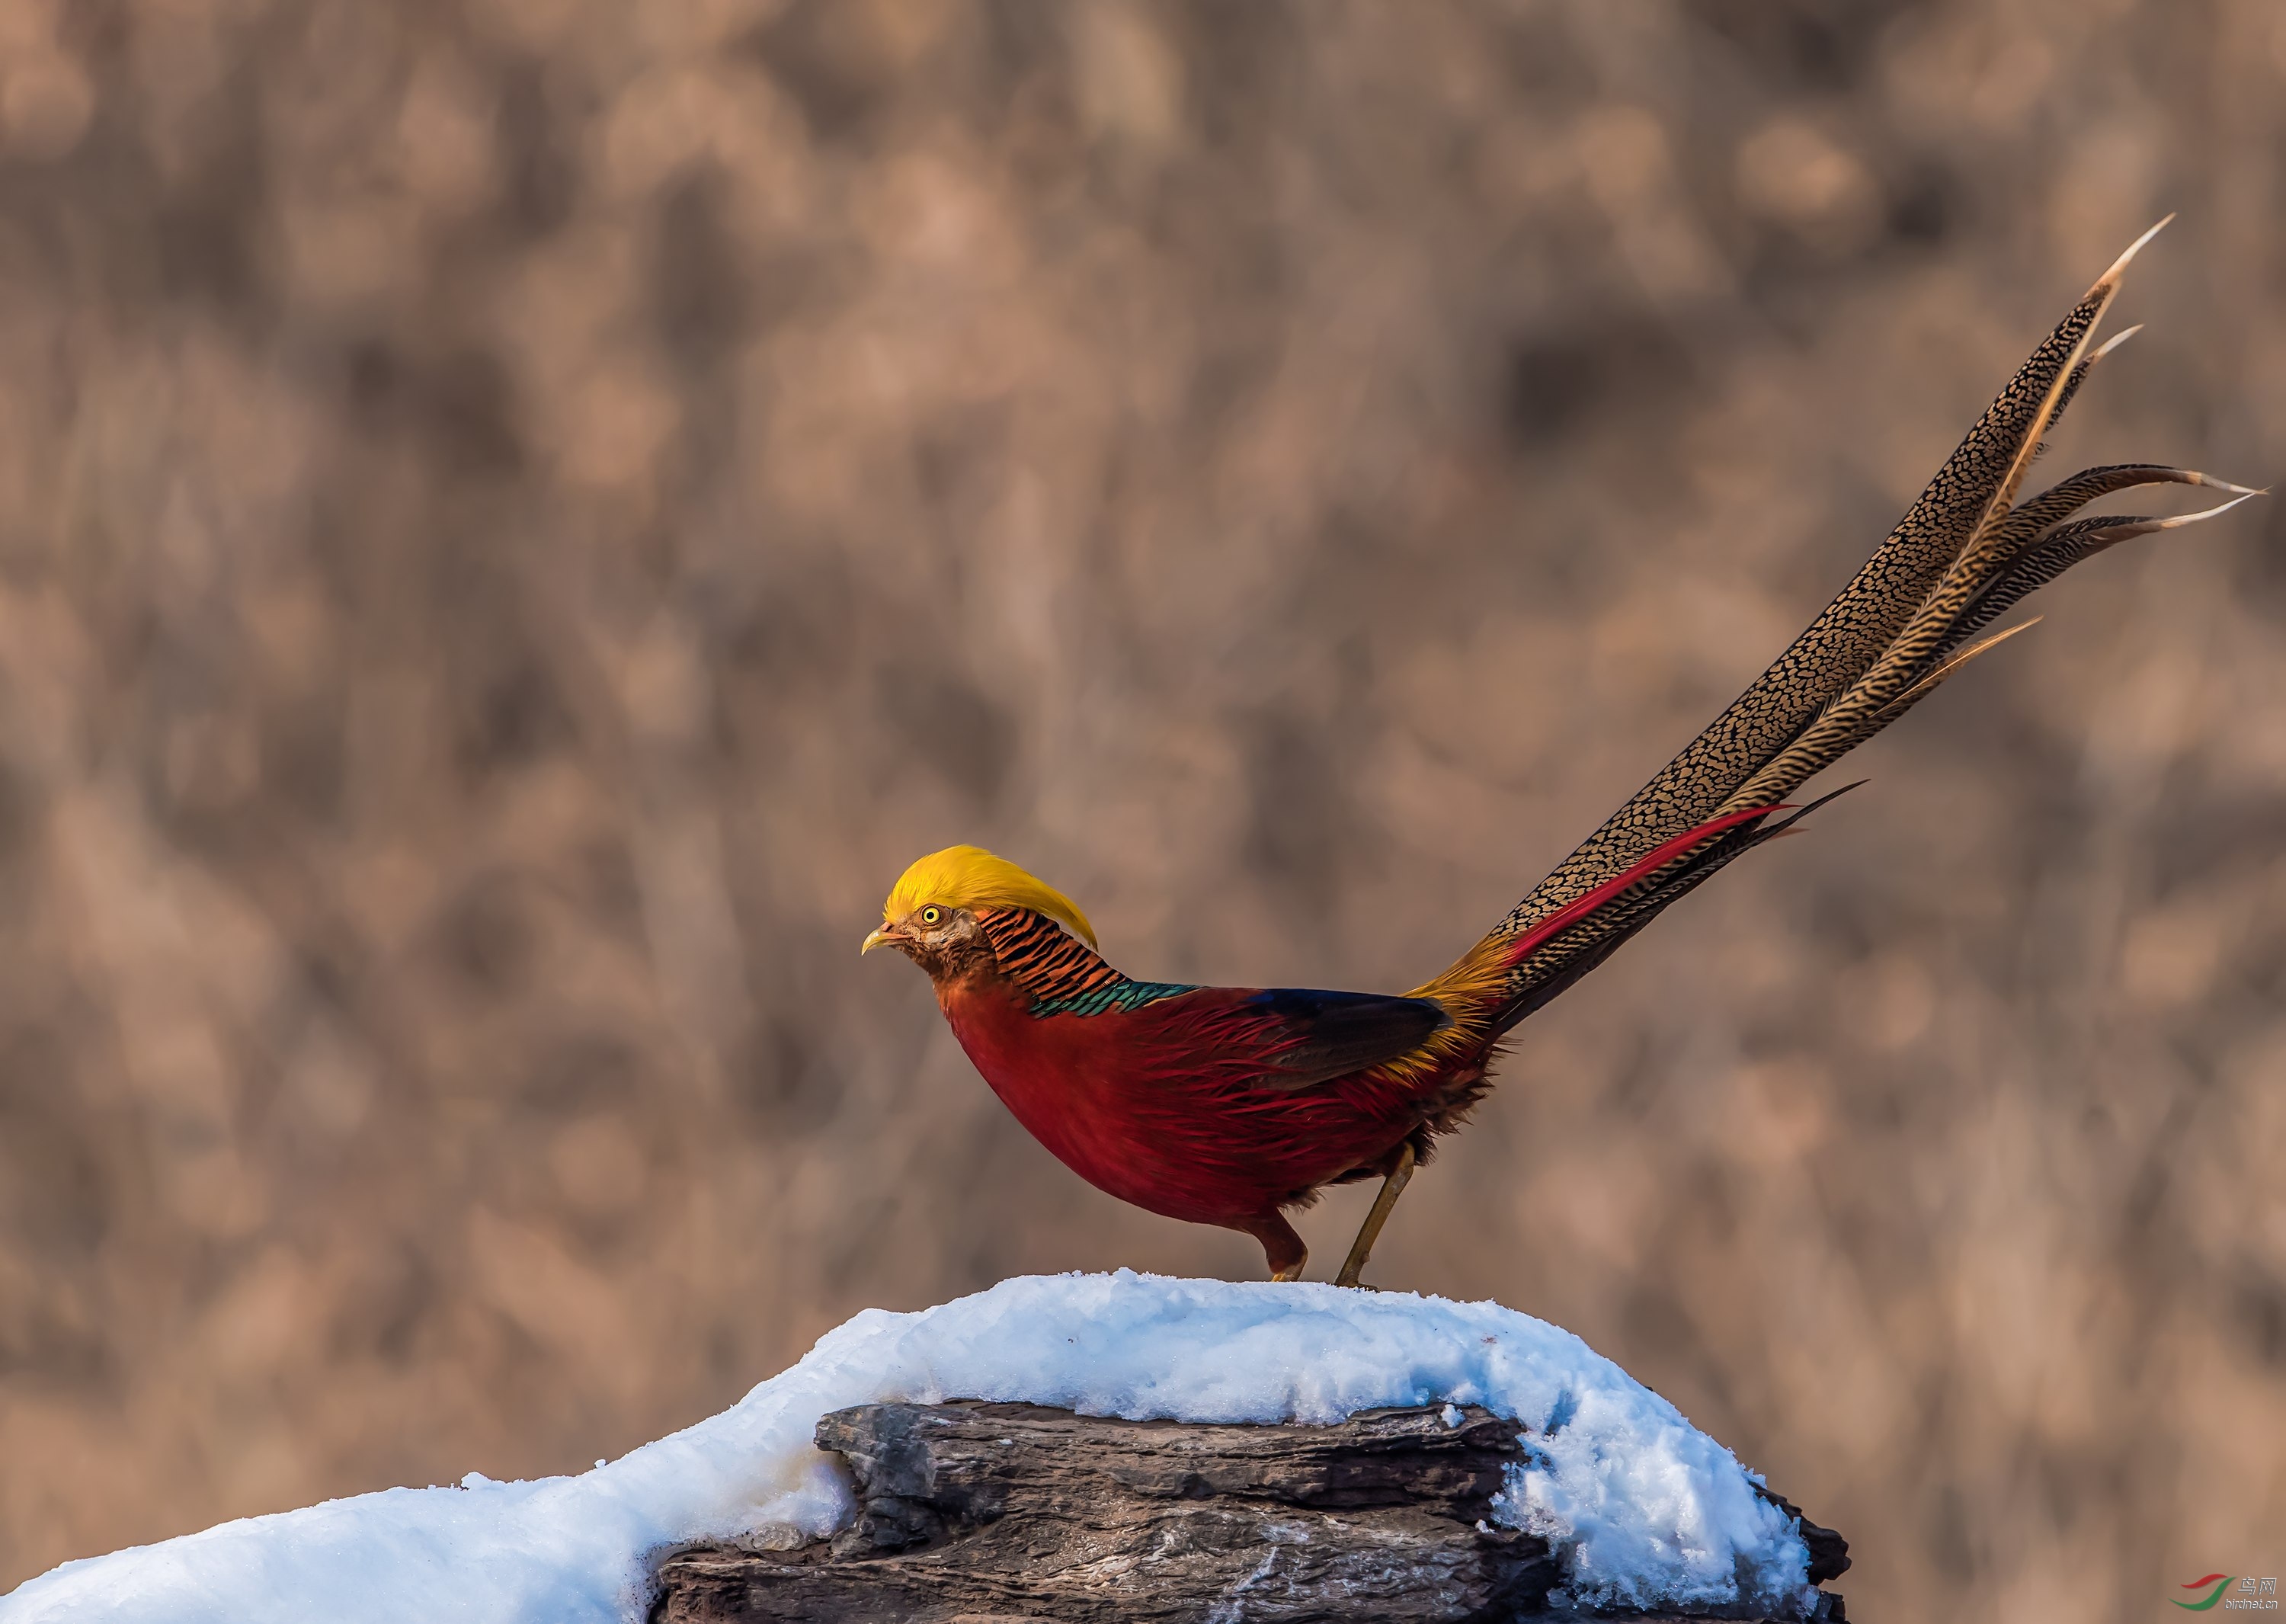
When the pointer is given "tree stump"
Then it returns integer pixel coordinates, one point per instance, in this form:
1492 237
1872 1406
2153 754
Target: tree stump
973 1513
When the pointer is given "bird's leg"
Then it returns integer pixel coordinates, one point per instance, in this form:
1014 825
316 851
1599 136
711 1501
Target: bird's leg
1391 1187
1282 1248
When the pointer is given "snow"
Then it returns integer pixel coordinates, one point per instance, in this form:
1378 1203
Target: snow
1644 1508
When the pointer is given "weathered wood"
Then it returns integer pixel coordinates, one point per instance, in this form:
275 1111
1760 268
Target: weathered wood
983 1513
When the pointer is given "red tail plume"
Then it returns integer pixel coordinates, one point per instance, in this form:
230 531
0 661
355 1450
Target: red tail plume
1564 917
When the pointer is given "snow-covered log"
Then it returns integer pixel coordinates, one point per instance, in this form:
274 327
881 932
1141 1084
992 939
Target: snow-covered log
1015 1511
1635 1511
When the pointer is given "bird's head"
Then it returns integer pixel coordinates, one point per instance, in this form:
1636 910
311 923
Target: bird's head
931 914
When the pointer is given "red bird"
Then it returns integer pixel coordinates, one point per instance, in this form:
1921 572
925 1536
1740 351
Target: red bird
1230 1105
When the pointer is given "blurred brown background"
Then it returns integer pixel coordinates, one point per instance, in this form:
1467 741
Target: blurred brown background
518 519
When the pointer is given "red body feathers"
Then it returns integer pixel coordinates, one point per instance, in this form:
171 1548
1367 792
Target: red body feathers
1225 1105
1163 1107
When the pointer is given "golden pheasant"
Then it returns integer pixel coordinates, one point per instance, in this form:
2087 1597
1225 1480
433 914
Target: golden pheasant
1231 1105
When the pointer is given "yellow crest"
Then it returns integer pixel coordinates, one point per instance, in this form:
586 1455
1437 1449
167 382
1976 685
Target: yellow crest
969 877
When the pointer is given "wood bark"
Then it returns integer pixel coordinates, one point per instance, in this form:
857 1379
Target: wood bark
973 1513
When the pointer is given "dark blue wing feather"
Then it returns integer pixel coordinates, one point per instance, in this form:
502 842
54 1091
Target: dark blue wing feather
1320 1035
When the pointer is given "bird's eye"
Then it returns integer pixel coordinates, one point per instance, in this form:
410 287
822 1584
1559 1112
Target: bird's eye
930 916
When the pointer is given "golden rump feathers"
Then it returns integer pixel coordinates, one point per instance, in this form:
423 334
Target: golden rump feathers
969 877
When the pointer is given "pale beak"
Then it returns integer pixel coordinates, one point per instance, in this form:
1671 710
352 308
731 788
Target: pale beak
882 937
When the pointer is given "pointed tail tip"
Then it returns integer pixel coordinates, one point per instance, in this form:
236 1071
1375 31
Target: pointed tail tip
1984 645
2108 282
1786 827
2114 341
2215 512
2213 484
2152 527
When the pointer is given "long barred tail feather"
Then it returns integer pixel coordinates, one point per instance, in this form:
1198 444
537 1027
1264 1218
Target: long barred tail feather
1964 553
2060 547
1838 646
1985 581
1923 687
